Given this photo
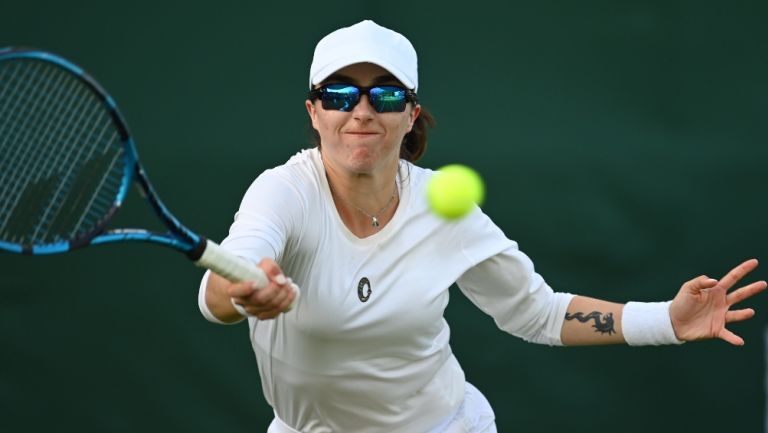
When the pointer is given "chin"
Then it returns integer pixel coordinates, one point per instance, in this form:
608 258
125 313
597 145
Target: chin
367 159
361 167
364 159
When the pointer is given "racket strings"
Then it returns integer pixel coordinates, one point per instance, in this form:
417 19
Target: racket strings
15 118
19 118
61 154
26 137
75 187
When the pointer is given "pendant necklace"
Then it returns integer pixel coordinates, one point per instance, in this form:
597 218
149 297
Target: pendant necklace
375 217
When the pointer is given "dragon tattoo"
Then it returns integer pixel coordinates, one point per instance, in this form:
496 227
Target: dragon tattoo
604 326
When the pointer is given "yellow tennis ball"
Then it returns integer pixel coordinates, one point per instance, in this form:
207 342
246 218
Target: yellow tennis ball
454 190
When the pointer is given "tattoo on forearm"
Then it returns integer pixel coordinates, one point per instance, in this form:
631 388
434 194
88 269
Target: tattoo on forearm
604 326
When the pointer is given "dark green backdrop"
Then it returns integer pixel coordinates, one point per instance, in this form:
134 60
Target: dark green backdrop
624 147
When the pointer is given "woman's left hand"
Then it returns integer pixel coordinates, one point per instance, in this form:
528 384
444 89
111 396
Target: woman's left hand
702 308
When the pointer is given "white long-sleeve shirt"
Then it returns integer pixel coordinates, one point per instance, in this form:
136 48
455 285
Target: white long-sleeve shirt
367 348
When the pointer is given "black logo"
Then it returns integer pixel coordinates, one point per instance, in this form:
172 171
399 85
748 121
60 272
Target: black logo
360 294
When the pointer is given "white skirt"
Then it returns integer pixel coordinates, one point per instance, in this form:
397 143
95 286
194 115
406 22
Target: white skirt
474 415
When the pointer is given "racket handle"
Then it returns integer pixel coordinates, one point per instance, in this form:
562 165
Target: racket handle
235 268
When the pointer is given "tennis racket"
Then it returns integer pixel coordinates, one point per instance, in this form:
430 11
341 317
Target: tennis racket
67 160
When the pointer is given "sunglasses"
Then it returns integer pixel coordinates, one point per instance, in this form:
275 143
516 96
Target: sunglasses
344 97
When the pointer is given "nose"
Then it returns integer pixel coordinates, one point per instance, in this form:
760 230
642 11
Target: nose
363 110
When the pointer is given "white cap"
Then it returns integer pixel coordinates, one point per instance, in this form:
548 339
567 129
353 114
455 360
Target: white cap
368 42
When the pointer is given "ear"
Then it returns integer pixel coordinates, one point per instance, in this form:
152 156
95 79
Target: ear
413 115
312 111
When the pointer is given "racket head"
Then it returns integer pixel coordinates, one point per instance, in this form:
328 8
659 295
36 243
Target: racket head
66 156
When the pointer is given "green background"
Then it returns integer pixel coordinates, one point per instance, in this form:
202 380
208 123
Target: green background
623 144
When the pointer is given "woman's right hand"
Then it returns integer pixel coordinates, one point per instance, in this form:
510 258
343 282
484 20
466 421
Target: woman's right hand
263 303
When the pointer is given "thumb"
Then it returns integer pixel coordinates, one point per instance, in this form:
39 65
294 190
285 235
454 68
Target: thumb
241 290
696 285
273 271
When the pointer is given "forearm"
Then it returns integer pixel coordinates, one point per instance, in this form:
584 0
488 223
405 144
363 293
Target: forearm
590 321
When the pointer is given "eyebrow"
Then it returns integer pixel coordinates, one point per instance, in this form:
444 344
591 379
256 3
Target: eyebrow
341 78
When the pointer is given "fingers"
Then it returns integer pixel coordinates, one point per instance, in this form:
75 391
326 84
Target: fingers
738 273
739 315
283 301
241 290
731 337
269 301
698 284
745 292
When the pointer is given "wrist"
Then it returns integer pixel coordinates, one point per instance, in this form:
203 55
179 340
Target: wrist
648 323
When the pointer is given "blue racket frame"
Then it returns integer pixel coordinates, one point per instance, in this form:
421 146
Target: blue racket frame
178 237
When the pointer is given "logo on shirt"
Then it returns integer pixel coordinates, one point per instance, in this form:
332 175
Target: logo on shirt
361 293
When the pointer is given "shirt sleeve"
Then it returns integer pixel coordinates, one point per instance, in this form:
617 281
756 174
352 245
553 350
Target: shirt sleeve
262 225
506 287
203 306
268 215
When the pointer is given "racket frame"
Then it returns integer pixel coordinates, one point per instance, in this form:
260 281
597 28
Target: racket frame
178 237
203 252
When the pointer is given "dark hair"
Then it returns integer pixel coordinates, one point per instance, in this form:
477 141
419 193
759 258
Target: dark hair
414 143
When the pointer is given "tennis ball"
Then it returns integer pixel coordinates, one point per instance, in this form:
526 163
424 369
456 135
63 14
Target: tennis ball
454 190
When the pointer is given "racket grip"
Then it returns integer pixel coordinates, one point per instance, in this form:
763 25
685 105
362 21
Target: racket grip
235 268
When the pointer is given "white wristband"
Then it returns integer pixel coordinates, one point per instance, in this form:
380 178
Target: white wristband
648 323
240 309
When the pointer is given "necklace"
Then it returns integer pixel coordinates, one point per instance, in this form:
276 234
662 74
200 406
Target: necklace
375 217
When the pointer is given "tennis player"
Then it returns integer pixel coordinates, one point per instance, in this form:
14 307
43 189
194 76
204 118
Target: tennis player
365 349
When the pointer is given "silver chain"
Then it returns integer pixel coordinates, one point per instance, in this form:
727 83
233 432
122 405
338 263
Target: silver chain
375 217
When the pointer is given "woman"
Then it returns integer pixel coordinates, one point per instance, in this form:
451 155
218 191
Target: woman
365 349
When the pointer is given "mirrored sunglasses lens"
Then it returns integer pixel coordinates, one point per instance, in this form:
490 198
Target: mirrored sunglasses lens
340 97
387 99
